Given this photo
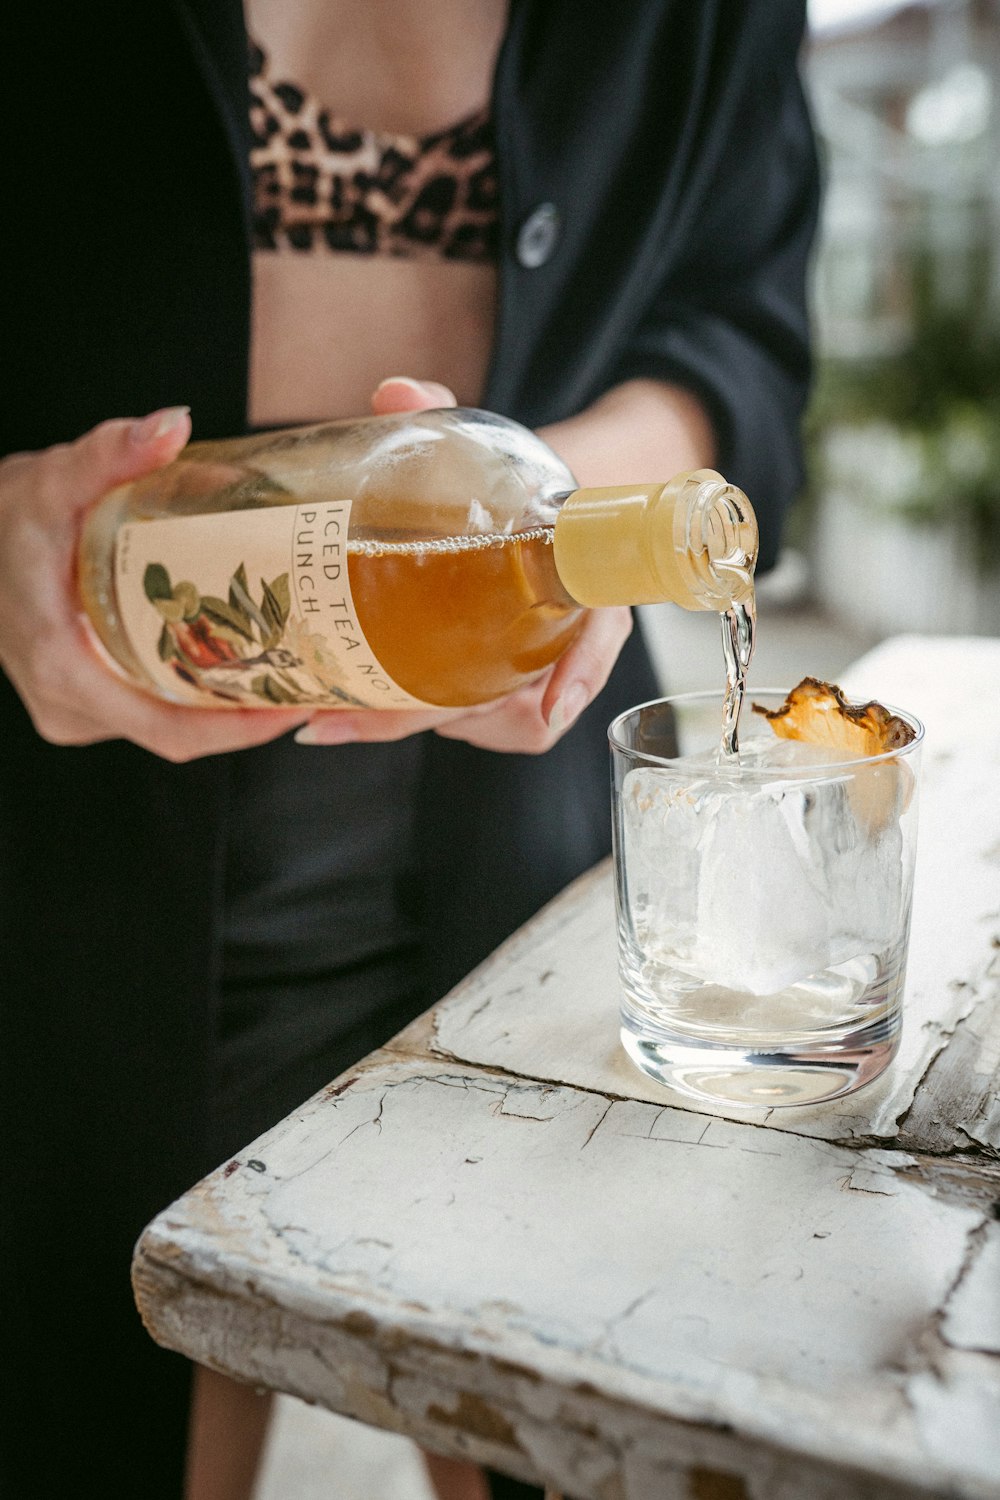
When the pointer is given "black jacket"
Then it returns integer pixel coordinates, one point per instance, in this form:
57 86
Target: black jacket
672 140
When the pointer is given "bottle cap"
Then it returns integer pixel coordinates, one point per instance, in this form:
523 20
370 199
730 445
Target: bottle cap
692 542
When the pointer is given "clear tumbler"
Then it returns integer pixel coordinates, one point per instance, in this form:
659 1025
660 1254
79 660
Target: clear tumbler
763 903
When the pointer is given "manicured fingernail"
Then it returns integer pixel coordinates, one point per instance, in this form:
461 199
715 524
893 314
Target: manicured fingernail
427 390
158 423
331 730
417 386
557 718
399 380
568 708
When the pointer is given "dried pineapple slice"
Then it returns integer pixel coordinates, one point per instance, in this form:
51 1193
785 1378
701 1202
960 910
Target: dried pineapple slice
818 713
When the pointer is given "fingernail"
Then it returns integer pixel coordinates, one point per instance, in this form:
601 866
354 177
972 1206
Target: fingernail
427 390
557 718
417 386
568 708
158 423
330 731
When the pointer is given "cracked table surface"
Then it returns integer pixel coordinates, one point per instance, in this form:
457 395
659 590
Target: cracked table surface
497 1237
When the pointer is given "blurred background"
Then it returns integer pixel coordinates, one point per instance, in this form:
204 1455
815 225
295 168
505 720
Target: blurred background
901 525
898 530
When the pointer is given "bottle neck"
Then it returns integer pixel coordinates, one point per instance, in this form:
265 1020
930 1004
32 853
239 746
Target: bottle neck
692 542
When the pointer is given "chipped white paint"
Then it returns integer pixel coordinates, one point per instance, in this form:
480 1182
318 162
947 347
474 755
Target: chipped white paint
546 1005
972 1318
683 1269
496 1237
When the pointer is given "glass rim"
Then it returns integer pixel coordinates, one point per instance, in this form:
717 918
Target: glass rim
706 695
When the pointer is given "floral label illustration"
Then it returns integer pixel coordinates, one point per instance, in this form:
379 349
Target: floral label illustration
250 607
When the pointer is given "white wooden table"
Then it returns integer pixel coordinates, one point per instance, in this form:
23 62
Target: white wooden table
496 1236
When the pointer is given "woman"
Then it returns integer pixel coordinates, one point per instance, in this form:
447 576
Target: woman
193 940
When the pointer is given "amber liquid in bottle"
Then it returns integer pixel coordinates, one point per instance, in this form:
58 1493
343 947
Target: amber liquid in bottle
470 554
428 609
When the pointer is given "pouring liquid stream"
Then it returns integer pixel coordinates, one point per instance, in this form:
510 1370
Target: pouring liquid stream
724 537
739 634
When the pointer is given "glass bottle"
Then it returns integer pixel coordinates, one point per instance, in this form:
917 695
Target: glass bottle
439 557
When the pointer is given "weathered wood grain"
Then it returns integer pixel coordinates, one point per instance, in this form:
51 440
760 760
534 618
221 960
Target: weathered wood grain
499 1238
546 1004
561 1284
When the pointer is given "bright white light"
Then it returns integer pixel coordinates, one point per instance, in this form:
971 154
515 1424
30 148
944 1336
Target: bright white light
826 15
953 109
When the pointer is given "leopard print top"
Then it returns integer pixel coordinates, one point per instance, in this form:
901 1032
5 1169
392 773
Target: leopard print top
318 183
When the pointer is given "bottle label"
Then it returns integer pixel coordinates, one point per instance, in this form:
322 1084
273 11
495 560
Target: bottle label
251 607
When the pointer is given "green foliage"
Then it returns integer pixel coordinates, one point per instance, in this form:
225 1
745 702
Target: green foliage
156 583
941 393
223 614
271 689
241 601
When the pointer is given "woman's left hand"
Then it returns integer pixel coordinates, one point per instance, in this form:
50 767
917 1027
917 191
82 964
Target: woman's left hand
528 721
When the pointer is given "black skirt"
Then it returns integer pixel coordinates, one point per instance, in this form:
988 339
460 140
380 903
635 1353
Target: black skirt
320 955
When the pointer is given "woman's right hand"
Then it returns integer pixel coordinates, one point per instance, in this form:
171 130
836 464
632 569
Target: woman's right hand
71 694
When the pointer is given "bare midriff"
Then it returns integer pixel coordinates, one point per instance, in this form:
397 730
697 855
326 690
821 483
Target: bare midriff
328 327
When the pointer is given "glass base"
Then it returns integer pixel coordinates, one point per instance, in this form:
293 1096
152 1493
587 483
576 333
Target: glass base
720 1074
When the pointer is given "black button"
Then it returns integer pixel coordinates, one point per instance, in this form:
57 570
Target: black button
538 236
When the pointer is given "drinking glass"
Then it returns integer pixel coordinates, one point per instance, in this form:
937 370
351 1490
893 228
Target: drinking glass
763 903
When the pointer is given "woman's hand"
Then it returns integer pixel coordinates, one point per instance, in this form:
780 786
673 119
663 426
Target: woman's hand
47 648
73 697
528 721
